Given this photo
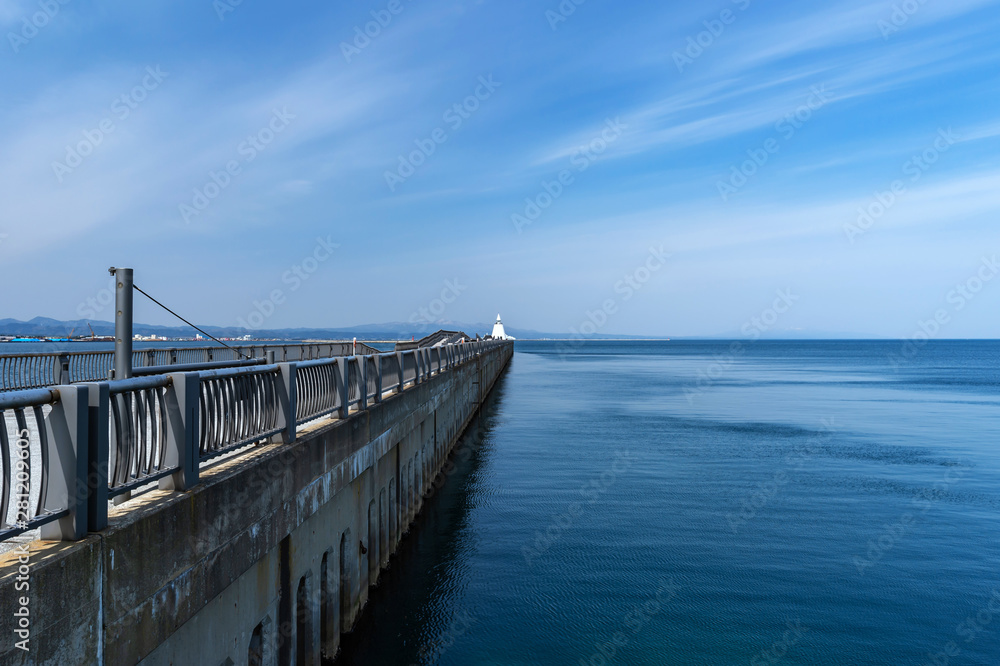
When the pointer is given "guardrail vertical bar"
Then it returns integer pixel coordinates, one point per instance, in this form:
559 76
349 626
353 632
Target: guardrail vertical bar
66 427
378 378
341 376
362 381
183 431
402 374
287 400
60 370
98 446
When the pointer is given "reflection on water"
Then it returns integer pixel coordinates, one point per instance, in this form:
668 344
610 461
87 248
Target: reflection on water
419 595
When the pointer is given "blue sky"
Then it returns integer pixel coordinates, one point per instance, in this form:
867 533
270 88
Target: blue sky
645 109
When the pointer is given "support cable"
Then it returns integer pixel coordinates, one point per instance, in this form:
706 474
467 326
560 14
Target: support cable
136 287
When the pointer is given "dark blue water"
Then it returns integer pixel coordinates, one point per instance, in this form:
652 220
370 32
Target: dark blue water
697 503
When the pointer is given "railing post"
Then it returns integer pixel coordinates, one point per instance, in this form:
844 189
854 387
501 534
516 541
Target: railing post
288 400
66 427
183 431
341 377
60 370
98 444
378 378
269 356
362 382
173 357
402 370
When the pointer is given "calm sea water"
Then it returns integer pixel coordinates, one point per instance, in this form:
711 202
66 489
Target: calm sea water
688 503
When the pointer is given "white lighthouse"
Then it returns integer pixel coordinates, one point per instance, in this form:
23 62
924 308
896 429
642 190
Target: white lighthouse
498 332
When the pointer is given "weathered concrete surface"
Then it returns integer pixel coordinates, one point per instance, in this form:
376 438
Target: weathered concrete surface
272 553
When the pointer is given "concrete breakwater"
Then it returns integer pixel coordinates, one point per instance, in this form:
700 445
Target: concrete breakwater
266 561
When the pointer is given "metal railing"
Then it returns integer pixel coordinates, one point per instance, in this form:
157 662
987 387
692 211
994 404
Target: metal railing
66 450
238 407
38 370
42 431
138 432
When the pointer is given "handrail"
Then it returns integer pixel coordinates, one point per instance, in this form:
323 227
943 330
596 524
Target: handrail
80 445
28 398
39 369
187 367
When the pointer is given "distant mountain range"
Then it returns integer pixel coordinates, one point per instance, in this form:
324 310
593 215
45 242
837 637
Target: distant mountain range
46 327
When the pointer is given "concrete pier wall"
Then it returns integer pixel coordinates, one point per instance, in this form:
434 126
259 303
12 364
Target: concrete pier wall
267 561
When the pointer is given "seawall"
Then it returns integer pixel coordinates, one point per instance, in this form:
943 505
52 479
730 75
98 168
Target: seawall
267 561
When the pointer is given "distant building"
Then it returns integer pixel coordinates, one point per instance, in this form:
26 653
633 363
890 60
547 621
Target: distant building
498 332
435 339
